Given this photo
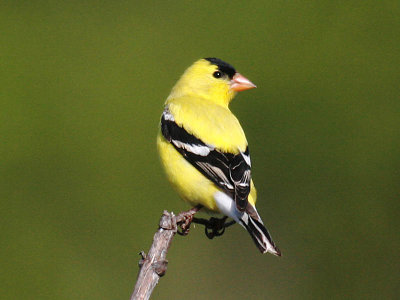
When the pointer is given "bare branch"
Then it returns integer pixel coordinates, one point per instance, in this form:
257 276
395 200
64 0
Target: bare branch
154 264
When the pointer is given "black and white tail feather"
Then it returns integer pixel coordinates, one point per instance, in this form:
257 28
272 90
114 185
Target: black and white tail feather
230 172
260 235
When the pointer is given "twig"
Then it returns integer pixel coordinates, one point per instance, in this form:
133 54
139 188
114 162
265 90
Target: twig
154 264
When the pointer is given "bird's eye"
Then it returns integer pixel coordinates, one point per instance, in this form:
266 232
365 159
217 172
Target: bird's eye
217 74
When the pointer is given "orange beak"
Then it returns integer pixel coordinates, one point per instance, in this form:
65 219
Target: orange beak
240 83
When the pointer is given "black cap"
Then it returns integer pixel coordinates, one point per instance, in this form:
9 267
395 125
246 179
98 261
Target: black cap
222 66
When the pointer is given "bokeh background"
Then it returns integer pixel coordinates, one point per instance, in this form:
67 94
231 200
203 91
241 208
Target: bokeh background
82 84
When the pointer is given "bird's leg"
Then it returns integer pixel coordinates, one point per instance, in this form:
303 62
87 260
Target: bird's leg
184 219
214 227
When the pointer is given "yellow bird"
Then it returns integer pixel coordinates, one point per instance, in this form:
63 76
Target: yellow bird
204 150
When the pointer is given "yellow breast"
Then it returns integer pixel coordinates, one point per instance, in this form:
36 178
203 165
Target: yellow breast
190 184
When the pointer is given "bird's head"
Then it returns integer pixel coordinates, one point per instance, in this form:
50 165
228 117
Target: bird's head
213 80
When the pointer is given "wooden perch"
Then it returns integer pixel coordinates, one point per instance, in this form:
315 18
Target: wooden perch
154 264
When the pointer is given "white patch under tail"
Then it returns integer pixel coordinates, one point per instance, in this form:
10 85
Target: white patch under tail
254 226
227 206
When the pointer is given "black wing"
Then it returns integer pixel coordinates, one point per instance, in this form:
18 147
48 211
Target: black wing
230 172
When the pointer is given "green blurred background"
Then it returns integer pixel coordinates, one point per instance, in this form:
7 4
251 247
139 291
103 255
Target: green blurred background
82 88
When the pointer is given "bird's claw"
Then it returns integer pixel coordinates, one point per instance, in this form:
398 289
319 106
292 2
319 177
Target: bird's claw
185 225
186 218
215 227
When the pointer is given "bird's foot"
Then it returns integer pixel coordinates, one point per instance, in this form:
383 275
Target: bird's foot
185 219
214 227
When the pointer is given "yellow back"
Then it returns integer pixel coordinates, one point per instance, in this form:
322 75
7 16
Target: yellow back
212 123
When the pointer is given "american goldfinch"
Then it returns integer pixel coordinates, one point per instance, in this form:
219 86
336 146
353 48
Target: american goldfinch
204 150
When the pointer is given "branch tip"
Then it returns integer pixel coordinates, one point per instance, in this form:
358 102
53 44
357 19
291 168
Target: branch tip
153 265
